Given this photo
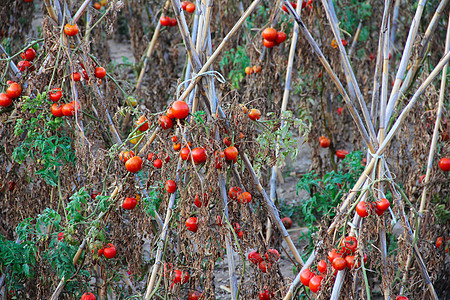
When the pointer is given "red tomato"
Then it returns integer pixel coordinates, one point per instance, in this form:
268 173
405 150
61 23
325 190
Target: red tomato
322 267
165 122
23 65
268 44
55 95
351 262
344 42
68 109
255 257
287 222
219 156
325 142
142 120
129 203
71 30
401 297
174 139
185 153
14 90
315 283
439 242
97 6
173 22
339 263
341 153
269 34
110 251
76 76
157 163
227 142
197 201
29 54
305 276
348 245
371 56
184 4
248 70
190 8
218 220
194 295
272 255
165 21
88 296
169 113
198 155
254 114
264 265
170 186
332 255
362 209
56 110
191 224
264 295
134 164
60 236
234 192
444 163
245 197
383 204
231 153
126 155
294 6
281 37
339 110
180 109
100 72
5 100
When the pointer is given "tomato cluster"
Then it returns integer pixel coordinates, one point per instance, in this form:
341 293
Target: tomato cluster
13 91
324 142
188 6
272 38
363 208
27 56
334 44
168 21
250 70
271 256
109 251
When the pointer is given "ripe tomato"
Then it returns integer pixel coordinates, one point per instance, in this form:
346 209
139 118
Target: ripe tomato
255 257
60 236
56 110
272 255
234 192
362 209
240 235
174 139
218 159
109 251
68 109
198 155
126 155
245 197
325 142
14 90
401 297
231 153
134 164
55 95
287 222
173 22
71 30
348 245
439 242
76 76
218 220
190 8
444 164
256 69
254 114
315 283
185 153
29 54
165 122
142 120
383 204
129 203
88 296
157 163
100 72
5 100
332 255
165 21
23 65
264 265
170 186
180 277
184 4
194 295
294 6
191 224
269 34
344 42
169 113
227 142
341 153
351 263
97 6
339 110
264 295
248 70
180 109
268 44
197 201
339 263
305 276
281 37
322 267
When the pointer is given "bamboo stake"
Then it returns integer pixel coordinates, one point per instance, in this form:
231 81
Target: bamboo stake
193 37
333 76
424 46
384 84
151 47
394 24
271 209
80 11
349 74
355 39
50 10
393 99
287 88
